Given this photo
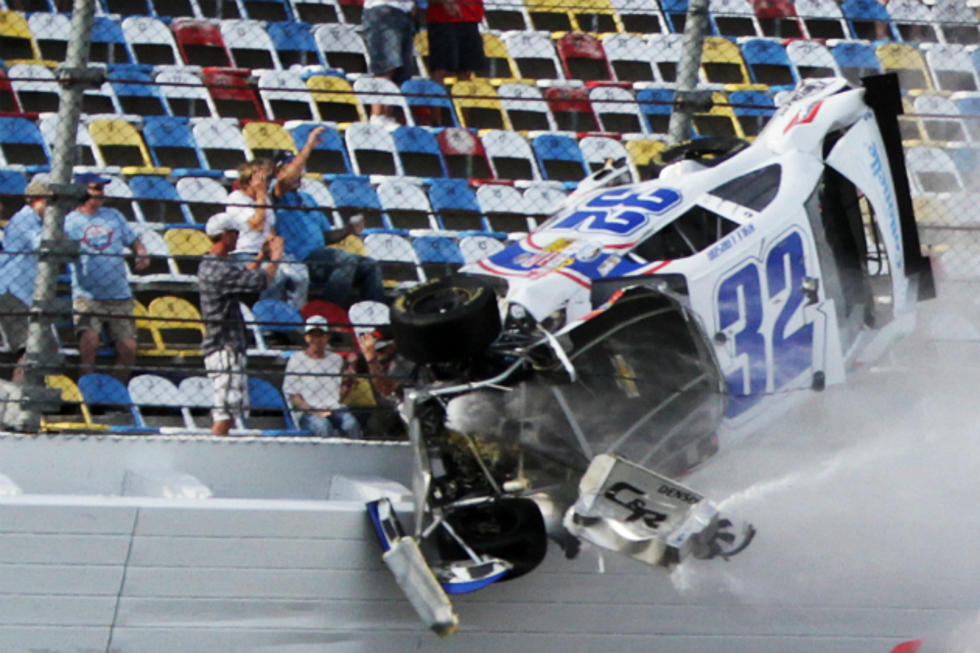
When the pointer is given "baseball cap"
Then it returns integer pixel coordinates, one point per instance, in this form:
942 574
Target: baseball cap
283 157
91 178
219 223
37 188
317 323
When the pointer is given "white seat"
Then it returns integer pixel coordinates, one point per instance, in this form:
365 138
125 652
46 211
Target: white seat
399 262
544 198
510 155
941 127
631 58
342 47
376 90
812 59
406 205
185 93
913 19
35 86
822 19
957 21
285 96
666 50
475 248
641 16
526 107
505 209
372 150
534 54
734 18
951 67
599 149
932 171
151 41
617 110
221 141
249 44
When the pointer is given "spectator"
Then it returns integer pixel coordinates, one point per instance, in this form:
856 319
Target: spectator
335 275
100 289
389 27
315 385
221 284
455 43
21 240
380 361
249 205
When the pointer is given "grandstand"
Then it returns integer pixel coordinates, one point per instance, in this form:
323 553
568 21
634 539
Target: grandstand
193 88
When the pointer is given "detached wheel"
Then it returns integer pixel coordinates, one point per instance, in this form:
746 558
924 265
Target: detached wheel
445 320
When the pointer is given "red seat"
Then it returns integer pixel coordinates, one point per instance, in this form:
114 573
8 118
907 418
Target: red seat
233 93
571 108
464 154
200 43
582 57
778 18
8 100
341 331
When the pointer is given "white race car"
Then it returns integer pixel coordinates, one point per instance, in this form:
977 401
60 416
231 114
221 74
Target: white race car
642 324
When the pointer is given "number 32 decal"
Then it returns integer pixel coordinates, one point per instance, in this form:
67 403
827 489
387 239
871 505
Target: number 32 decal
744 298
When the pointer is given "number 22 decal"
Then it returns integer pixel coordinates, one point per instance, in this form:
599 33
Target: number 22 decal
743 302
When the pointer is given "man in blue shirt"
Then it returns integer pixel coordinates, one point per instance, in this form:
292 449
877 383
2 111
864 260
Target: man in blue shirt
18 267
99 286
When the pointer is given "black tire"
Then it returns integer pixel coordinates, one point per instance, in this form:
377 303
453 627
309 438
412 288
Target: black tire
710 151
449 319
510 529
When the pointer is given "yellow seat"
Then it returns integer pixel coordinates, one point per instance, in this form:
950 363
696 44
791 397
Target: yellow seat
187 246
118 143
501 65
178 325
597 16
264 139
72 396
335 99
908 63
720 120
478 105
19 44
722 63
550 15
352 244
645 154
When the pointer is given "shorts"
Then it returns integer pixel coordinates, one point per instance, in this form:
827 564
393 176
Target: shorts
226 369
456 47
116 314
13 321
390 43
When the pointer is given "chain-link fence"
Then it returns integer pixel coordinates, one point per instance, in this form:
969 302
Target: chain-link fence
265 113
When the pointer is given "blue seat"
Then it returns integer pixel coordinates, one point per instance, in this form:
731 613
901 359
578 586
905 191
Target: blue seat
267 403
675 11
137 93
419 152
12 185
559 158
21 144
277 316
172 145
268 10
330 156
109 45
656 105
295 44
354 195
856 60
863 18
966 160
107 393
769 64
159 201
429 103
439 255
753 109
456 206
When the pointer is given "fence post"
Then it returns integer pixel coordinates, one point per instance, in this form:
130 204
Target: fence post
695 27
74 77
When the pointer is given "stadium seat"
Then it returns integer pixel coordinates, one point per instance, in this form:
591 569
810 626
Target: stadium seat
543 199
856 59
913 20
932 171
666 50
968 104
675 11
455 205
159 270
720 120
405 204
656 105
329 156
12 185
108 44
778 18
377 90
582 57
617 110
822 19
50 32
645 154
464 154
559 158
630 57
353 195
187 246
182 8
936 114
812 59
16 39
84 149
178 325
476 247
533 54
158 201
119 196
21 144
341 330
196 400
151 41
265 139
73 414
372 150
722 63
108 400
571 108
505 209
203 196
335 99
501 67
596 16
753 109
342 47
439 256
185 94
506 15
769 64
525 108
157 400
597 150
118 143
869 20
908 63
128 7
733 18
269 11
200 43
510 155
429 103
951 67
640 17
249 44
294 43
280 322
323 198
136 92
399 262
100 99
233 94
285 96
419 152
549 16
268 410
313 12
34 86
958 21
221 141
478 105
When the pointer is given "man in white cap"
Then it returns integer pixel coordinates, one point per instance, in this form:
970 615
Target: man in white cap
221 283
315 385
